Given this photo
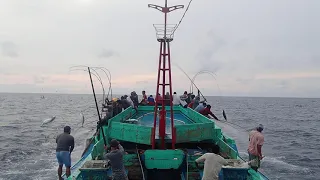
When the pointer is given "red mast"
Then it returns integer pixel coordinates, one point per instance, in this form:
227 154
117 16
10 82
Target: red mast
164 36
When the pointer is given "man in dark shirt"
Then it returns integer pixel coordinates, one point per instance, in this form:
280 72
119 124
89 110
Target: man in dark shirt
124 102
116 160
65 145
206 111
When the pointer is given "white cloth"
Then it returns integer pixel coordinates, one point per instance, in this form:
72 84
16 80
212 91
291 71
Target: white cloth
183 103
130 101
212 165
199 108
176 100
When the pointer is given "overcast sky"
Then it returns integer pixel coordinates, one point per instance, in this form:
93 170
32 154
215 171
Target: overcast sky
255 48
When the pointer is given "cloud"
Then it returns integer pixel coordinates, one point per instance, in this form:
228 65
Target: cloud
9 49
107 53
206 56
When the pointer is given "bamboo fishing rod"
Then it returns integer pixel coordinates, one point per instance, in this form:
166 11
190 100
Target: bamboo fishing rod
191 81
223 112
95 99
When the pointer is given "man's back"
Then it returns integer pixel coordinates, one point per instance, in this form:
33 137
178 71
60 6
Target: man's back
256 138
199 108
64 142
116 158
212 165
176 100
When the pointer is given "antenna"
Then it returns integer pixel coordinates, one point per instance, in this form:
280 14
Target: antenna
164 33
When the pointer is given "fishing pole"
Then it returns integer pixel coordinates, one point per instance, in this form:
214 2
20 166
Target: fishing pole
96 74
191 81
109 78
212 74
99 79
95 99
202 72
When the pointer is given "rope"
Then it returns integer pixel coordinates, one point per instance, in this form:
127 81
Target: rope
140 163
182 17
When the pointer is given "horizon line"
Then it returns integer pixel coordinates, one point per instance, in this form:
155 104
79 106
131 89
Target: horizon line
241 96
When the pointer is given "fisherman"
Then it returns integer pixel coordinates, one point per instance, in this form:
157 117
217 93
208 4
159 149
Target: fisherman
124 102
144 100
115 156
256 140
134 99
151 101
167 99
206 111
213 163
184 99
117 107
65 145
159 100
200 107
192 97
196 101
175 99
129 100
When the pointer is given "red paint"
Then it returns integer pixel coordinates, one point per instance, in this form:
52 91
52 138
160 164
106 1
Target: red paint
164 61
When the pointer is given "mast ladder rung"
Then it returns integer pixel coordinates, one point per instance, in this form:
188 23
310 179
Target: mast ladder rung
164 84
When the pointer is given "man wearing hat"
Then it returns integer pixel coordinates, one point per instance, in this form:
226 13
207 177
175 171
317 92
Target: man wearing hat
115 156
256 140
65 145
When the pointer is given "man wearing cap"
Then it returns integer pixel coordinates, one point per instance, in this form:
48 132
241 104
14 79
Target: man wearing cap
116 160
65 145
256 140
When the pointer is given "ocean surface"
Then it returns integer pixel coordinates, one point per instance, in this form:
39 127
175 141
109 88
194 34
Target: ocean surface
27 150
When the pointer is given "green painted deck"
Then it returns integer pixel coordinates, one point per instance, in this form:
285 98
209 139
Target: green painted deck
194 133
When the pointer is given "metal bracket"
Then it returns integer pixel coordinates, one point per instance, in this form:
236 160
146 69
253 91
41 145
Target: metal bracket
165 9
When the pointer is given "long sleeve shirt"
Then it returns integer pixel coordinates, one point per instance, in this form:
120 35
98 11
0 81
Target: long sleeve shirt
206 112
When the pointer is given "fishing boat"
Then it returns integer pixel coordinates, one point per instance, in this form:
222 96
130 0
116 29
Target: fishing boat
161 142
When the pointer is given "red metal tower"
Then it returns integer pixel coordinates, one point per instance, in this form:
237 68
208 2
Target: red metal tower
165 34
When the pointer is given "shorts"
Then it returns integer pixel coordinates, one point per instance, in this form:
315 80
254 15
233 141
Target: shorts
119 175
256 162
64 158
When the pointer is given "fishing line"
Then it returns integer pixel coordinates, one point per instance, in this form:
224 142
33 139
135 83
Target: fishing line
99 79
182 16
213 75
107 74
202 72
190 80
109 78
96 75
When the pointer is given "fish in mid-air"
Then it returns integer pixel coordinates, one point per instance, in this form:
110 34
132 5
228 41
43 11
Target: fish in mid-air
82 119
46 121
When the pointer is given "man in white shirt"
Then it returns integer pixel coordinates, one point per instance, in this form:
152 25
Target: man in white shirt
175 99
200 107
212 164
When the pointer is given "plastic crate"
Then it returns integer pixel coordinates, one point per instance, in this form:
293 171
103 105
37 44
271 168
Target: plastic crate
95 169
